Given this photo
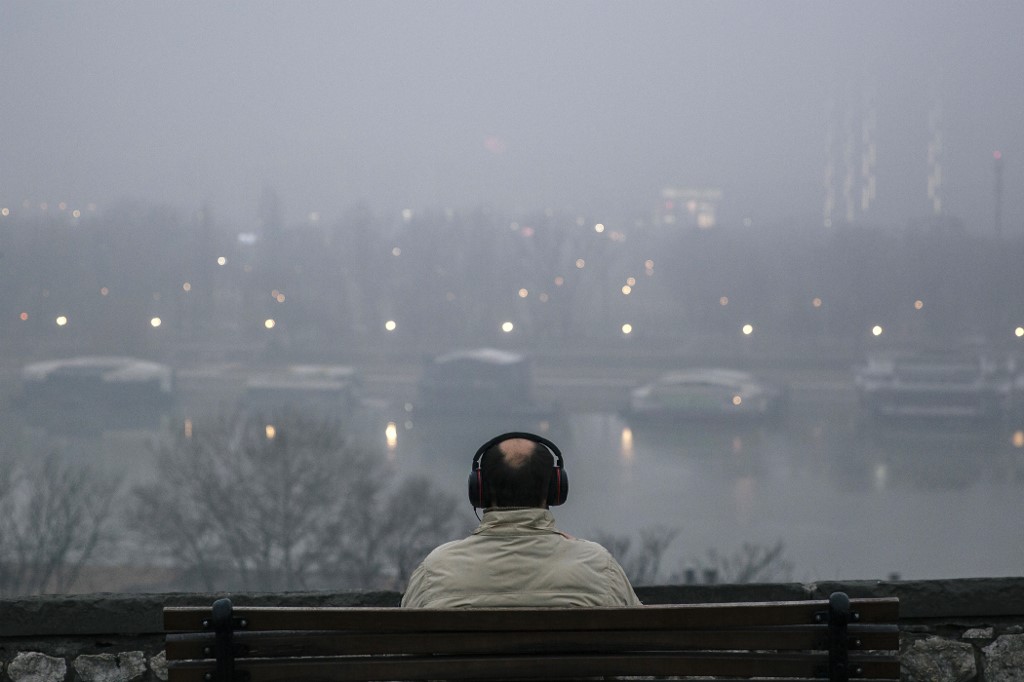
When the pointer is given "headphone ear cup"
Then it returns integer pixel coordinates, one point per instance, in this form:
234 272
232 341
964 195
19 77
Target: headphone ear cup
475 489
558 488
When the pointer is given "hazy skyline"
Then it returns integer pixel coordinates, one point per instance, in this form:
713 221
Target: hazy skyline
586 106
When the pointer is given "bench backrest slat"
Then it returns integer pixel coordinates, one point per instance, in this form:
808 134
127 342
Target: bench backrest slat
680 617
798 666
332 643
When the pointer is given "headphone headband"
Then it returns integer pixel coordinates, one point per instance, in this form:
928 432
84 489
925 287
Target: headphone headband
558 488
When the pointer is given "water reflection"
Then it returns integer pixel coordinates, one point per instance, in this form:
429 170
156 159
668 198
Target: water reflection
849 498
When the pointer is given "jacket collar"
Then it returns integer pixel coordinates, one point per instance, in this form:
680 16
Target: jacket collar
501 520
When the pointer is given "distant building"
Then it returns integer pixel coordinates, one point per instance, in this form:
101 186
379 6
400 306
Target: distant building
689 207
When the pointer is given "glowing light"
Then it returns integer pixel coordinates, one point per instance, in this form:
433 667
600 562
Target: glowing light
816 303
627 329
5 211
104 291
580 263
186 286
877 330
523 293
188 428
1018 439
626 443
918 304
280 298
627 290
155 322
737 400
270 431
748 329
507 327
391 435
631 281
221 260
724 301
23 317
599 228
390 325
269 323
396 252
61 320
1019 332
76 213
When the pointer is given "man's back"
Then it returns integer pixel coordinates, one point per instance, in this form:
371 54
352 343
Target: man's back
516 557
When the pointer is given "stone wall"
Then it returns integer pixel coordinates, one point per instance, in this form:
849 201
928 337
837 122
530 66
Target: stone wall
952 630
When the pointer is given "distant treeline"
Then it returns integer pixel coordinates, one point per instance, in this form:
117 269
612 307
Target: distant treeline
142 280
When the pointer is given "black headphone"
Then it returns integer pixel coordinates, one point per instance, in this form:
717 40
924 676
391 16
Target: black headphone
558 488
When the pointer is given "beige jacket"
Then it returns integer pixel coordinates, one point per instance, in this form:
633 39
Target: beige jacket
516 557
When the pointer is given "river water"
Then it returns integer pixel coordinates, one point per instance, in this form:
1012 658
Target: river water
848 498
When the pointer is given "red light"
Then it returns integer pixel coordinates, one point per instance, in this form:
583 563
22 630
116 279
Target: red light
997 155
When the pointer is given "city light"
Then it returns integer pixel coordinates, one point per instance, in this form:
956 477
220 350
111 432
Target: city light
1018 439
877 330
61 320
396 252
23 317
186 287
507 327
918 304
599 228
627 329
269 323
390 325
816 303
5 211
626 290
523 293
270 431
76 213
104 291
559 281
1019 332
580 263
723 301
631 281
391 435
748 329
221 260
155 322
737 400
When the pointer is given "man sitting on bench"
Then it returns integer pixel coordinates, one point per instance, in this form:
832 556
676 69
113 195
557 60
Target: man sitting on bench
516 556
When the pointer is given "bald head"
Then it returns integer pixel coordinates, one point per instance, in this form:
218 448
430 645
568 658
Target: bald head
517 472
517 452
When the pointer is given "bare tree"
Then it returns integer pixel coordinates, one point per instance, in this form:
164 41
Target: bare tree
53 519
239 504
643 565
418 517
752 563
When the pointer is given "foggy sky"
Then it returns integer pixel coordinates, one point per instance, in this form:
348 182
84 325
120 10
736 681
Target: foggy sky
586 106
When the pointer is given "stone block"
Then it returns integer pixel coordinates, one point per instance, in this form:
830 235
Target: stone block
31 666
1003 659
979 633
123 667
938 660
158 664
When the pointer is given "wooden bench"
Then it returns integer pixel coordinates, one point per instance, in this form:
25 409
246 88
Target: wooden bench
838 639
